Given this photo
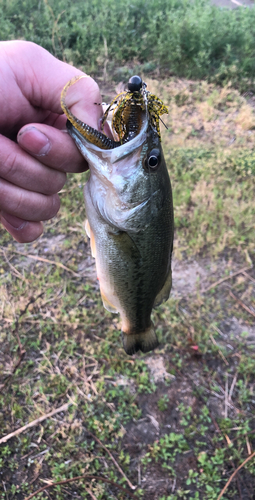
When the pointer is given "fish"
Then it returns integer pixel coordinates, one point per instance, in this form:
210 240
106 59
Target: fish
129 209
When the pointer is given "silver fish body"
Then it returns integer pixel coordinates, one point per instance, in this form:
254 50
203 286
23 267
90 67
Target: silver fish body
129 208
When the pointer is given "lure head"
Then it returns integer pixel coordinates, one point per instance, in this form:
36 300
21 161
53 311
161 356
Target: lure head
126 109
135 84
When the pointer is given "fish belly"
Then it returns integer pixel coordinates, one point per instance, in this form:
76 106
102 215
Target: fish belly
134 272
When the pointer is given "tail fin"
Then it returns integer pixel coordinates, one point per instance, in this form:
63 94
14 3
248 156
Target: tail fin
145 341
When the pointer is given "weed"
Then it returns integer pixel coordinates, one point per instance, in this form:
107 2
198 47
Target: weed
163 403
193 39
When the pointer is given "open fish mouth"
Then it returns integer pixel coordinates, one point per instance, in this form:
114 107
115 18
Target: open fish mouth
125 115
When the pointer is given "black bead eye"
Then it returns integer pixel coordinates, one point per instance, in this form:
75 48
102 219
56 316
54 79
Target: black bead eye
153 160
135 84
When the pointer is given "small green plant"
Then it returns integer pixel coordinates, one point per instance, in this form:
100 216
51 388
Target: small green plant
163 403
192 479
186 414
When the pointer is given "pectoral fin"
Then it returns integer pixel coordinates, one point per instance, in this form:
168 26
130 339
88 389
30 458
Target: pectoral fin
164 293
87 228
92 238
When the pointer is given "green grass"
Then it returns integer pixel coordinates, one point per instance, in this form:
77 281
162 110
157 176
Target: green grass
189 39
180 432
219 212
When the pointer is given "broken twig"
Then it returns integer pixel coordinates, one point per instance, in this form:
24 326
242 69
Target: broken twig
47 261
220 352
227 278
113 459
242 304
234 474
35 422
65 481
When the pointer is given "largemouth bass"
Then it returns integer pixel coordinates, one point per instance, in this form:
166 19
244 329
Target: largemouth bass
129 208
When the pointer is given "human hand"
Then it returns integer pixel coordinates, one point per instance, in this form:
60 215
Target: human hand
32 170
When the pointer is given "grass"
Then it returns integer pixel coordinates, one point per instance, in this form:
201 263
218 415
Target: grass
178 421
189 39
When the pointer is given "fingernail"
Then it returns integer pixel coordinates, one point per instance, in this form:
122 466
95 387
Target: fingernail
13 221
34 141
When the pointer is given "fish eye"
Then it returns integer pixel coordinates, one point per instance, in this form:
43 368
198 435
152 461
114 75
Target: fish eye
153 159
135 83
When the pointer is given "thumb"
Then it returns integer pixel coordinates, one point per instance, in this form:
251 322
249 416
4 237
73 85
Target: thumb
82 97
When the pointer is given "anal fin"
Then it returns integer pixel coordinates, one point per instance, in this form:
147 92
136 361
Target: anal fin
164 293
107 304
92 244
92 238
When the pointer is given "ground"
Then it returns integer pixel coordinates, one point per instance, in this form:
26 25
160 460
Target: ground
233 4
174 423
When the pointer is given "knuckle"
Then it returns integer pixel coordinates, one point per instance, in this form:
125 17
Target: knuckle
74 163
18 204
30 232
56 183
60 180
10 165
53 205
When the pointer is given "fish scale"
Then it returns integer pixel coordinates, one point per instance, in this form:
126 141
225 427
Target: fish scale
129 207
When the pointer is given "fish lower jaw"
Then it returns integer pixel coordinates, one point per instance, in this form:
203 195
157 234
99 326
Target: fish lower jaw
144 341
